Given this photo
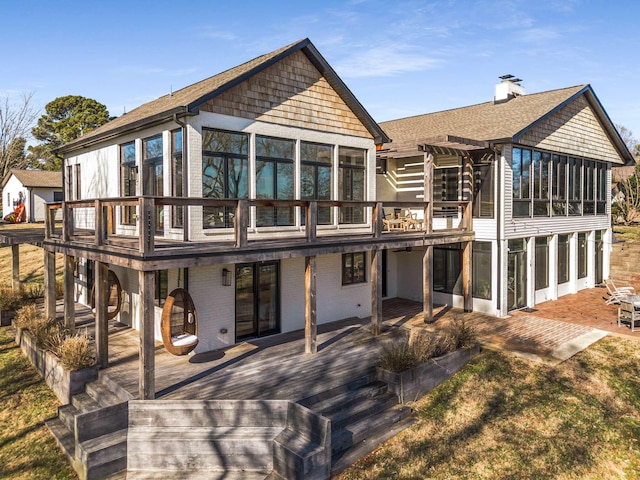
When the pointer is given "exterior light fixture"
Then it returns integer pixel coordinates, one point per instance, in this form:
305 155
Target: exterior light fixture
226 277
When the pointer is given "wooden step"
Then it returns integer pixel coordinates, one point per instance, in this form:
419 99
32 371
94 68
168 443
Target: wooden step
351 394
359 408
84 403
63 436
104 455
332 391
102 394
211 474
368 427
67 414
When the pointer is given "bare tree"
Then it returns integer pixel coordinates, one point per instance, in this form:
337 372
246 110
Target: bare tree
16 121
625 206
627 137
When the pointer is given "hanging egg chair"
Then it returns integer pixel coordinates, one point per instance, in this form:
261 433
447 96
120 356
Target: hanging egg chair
179 324
114 291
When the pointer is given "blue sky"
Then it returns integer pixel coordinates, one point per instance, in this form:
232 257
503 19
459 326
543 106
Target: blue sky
399 58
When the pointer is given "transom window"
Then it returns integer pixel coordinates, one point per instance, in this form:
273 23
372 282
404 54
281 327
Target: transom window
545 184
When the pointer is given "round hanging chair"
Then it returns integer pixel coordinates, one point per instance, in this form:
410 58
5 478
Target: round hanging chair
114 290
179 323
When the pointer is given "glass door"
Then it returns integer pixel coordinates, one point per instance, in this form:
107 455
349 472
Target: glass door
517 274
257 300
599 258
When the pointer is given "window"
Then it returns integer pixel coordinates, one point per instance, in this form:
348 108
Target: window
541 163
354 268
351 176
481 264
58 197
483 190
559 196
445 189
575 186
274 179
542 262
224 173
315 177
128 180
521 170
69 184
161 287
153 176
582 255
447 268
563 259
176 177
601 188
77 186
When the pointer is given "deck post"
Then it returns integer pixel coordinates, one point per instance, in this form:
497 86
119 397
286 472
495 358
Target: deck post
467 192
147 367
428 192
101 306
311 221
69 297
147 224
241 223
15 267
49 285
310 318
67 222
376 219
467 251
100 230
376 291
427 284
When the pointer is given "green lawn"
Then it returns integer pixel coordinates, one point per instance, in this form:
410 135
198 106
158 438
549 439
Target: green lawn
507 418
27 449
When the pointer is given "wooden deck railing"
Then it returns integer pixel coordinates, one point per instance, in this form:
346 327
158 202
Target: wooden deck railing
100 219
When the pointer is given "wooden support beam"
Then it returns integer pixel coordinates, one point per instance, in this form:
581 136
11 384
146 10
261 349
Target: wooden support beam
100 223
376 220
427 284
376 291
15 267
241 223
310 317
147 367
67 222
311 222
147 223
466 276
49 285
101 306
467 192
69 294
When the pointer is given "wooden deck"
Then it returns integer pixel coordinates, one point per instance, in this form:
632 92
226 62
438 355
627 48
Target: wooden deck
275 367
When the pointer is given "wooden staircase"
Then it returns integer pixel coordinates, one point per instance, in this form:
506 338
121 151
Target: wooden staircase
92 429
363 415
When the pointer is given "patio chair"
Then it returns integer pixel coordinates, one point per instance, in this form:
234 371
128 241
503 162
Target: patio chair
412 221
392 222
629 310
179 324
616 293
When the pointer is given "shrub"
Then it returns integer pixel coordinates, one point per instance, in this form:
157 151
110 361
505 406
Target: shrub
398 356
27 316
76 352
9 299
462 333
48 334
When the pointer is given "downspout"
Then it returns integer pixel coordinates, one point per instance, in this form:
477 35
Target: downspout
185 178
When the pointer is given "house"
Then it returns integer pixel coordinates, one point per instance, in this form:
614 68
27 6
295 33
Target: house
33 188
541 173
253 190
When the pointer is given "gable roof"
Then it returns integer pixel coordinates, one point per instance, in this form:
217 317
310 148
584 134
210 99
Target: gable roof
187 101
36 178
496 122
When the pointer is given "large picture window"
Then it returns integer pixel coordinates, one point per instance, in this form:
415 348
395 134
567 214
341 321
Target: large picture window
351 175
274 179
354 268
176 176
153 175
128 180
224 173
315 177
481 268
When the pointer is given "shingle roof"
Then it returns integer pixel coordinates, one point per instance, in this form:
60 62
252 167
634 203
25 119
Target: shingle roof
188 99
36 178
484 122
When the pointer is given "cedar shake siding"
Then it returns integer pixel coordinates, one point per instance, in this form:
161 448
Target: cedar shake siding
294 93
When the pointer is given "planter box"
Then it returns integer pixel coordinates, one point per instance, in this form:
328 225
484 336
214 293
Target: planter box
420 380
62 382
6 317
